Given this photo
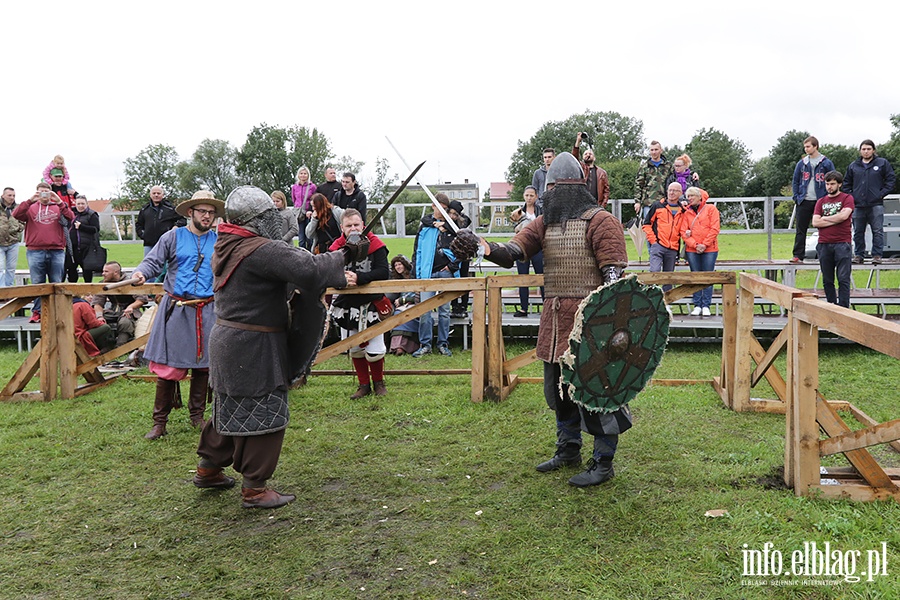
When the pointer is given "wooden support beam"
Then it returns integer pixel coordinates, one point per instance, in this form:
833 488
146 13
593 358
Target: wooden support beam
95 361
832 424
858 493
803 373
861 438
496 350
740 398
870 331
13 306
92 375
65 340
49 349
682 291
772 375
479 342
23 374
383 327
729 337
704 278
781 295
514 364
675 382
862 417
775 348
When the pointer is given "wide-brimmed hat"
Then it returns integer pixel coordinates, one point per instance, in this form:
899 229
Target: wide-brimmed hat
202 197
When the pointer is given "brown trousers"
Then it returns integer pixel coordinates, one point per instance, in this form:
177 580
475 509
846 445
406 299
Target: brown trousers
253 456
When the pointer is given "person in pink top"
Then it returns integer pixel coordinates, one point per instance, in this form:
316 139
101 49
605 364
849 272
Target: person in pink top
301 195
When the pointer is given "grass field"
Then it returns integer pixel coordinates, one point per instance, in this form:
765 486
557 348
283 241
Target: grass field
424 495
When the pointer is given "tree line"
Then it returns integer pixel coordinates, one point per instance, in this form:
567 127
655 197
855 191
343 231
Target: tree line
268 159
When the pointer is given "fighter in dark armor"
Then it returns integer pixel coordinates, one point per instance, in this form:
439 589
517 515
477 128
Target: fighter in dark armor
584 248
256 348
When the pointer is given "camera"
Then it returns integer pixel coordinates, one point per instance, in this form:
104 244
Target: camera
45 194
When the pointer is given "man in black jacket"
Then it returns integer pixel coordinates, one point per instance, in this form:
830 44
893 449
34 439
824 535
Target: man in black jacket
351 196
157 217
869 179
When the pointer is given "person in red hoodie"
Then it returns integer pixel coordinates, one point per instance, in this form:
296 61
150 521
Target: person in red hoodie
700 232
46 218
92 331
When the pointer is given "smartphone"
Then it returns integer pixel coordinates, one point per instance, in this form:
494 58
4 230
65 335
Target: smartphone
45 194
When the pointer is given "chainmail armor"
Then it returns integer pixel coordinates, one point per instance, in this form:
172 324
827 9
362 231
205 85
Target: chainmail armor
570 267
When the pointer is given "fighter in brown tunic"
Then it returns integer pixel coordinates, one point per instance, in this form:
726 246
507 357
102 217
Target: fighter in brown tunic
584 248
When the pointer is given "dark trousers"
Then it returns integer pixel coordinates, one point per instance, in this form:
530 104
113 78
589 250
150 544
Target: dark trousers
522 267
836 257
804 216
253 456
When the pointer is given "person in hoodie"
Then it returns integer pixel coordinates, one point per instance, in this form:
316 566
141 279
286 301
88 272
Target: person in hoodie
46 218
350 195
808 185
700 231
869 179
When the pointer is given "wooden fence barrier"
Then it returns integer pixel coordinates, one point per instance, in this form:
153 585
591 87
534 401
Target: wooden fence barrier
807 411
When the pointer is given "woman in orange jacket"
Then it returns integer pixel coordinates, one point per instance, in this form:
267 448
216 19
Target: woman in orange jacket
700 232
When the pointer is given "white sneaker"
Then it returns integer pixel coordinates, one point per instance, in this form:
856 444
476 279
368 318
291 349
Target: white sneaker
695 312
706 312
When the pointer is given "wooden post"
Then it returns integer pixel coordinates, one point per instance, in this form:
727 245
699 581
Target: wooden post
803 374
479 301
49 347
739 400
729 338
65 343
494 388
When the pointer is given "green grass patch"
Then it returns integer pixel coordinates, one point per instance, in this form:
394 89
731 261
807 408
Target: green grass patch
423 494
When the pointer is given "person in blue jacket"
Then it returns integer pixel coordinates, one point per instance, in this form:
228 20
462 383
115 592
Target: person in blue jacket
808 186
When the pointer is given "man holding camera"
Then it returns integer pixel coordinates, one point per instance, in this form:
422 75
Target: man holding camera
45 217
596 178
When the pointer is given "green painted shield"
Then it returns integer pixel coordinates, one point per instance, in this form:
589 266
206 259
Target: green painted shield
619 337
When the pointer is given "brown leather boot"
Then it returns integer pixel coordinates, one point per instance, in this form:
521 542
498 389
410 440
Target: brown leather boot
380 388
362 391
197 397
212 478
264 498
165 399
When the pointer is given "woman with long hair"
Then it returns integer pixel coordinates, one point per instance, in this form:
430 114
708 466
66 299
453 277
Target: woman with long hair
301 195
523 216
323 224
290 226
404 337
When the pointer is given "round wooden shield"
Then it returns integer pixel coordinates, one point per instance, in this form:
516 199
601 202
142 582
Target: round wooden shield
617 342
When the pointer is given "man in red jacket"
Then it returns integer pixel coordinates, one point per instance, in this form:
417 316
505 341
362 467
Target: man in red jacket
45 217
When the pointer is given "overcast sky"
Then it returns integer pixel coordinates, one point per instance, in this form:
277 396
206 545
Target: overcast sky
454 83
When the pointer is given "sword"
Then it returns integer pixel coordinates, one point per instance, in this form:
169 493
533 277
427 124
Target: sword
434 201
390 201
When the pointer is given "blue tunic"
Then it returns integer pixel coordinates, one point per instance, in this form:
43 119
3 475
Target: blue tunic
173 339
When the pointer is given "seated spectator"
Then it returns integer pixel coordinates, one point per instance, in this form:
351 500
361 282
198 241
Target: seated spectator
404 337
91 330
120 312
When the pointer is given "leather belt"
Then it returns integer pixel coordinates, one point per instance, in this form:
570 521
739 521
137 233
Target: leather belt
248 326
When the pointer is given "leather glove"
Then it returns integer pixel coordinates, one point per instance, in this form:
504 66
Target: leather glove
356 249
465 245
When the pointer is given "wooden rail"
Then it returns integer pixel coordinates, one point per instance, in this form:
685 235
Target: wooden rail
806 409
